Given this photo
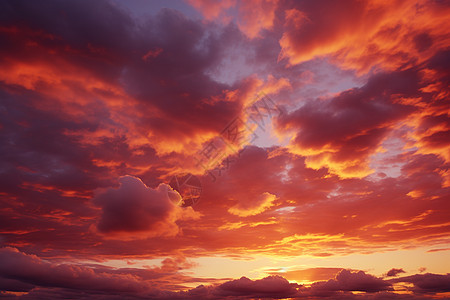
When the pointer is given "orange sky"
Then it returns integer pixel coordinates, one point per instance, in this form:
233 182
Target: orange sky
233 149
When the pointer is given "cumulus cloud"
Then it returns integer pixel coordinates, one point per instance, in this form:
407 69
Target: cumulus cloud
272 286
39 278
135 210
347 280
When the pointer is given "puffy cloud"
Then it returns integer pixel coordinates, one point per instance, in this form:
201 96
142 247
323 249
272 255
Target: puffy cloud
347 280
37 278
135 210
394 272
32 275
272 286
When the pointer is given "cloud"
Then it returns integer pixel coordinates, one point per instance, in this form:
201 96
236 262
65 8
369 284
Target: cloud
341 133
88 94
157 101
22 272
394 272
135 210
31 270
12 285
347 280
362 35
272 286
32 275
37 278
253 16
251 207
427 283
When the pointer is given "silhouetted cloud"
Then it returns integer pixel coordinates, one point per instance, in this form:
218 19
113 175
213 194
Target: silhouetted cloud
394 272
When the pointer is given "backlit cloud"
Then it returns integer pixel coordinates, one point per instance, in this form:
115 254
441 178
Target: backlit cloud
134 208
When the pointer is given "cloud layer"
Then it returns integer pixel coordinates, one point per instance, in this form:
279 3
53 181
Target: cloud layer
28 273
101 104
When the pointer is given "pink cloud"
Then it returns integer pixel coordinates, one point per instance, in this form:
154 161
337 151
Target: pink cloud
135 210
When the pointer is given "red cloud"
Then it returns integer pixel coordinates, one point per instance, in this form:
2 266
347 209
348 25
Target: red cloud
361 35
135 210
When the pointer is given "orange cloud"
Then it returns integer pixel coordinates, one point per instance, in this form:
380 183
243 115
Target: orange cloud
253 206
253 15
256 15
361 35
211 9
81 108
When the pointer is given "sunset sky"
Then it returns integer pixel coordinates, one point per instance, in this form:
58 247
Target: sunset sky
315 136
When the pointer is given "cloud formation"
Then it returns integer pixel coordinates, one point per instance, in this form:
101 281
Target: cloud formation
362 35
102 103
134 208
20 272
253 206
394 272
